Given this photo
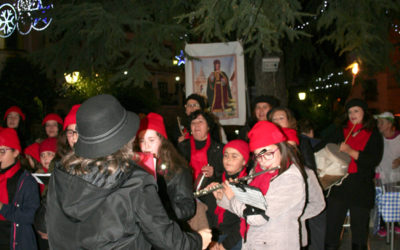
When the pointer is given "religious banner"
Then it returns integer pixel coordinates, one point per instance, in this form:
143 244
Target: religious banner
216 72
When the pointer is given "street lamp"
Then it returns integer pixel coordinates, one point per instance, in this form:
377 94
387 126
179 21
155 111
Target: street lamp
302 96
72 77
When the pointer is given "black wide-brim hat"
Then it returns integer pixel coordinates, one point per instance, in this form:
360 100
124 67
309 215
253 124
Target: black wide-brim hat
104 126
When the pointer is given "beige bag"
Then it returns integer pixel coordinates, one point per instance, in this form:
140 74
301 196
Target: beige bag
199 220
332 165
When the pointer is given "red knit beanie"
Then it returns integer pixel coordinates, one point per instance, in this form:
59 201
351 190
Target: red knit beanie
9 138
49 144
14 109
155 122
240 146
71 117
291 134
33 150
52 117
263 134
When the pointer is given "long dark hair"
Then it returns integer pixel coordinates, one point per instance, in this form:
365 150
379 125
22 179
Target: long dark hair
368 121
289 156
167 155
63 147
119 160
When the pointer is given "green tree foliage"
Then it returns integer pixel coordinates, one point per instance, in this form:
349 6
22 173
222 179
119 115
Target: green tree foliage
361 28
259 24
115 36
112 37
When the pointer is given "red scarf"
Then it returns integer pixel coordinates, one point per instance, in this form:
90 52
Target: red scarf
219 211
3 184
262 182
357 141
198 157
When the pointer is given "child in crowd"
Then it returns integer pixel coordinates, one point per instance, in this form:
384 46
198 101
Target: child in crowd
276 227
19 196
15 118
235 158
33 157
47 151
174 177
52 125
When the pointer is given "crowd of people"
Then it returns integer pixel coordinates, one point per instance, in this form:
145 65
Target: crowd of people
103 178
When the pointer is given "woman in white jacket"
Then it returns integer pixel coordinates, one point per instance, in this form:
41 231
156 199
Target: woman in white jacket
284 190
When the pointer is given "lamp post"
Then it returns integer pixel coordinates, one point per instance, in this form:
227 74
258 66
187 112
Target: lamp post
71 78
302 96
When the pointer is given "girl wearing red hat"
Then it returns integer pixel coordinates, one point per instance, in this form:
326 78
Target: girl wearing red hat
276 227
316 220
32 155
69 136
15 118
52 124
173 175
230 227
19 196
47 152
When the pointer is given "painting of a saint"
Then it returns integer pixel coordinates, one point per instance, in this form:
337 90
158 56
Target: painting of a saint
218 90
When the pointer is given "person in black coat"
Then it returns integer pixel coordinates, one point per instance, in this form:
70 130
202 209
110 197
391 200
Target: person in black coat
360 139
174 178
98 198
204 155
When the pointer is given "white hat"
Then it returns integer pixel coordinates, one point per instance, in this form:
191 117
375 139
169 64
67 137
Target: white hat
385 115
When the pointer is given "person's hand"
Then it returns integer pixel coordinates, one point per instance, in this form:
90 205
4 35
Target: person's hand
396 163
205 237
43 235
208 170
214 246
345 148
228 190
218 194
182 137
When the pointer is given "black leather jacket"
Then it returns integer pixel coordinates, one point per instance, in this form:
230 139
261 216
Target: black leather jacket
119 211
176 194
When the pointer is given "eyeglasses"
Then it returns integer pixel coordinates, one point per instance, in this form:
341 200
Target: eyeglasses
264 154
70 132
194 105
4 150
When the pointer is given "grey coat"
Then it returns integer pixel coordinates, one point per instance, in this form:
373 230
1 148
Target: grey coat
285 203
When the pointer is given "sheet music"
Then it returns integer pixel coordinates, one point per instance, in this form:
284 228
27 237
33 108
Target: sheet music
41 178
251 196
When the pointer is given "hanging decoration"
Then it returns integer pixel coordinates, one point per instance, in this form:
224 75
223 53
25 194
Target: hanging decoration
23 15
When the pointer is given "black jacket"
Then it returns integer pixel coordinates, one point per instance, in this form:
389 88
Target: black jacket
176 194
307 152
119 211
358 189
